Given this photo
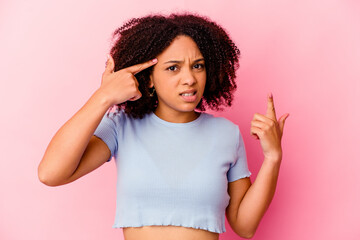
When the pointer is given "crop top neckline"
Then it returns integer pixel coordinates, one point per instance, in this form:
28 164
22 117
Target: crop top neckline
195 122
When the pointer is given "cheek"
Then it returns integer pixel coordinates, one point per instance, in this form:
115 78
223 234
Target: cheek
203 80
164 83
156 78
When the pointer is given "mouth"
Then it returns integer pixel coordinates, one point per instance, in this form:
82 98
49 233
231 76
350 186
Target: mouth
189 96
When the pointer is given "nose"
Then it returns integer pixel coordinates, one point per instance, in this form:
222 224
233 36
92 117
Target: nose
188 77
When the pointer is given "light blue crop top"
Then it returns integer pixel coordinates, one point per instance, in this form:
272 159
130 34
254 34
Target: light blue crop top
173 173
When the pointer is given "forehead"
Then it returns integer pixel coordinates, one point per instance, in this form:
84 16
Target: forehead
181 47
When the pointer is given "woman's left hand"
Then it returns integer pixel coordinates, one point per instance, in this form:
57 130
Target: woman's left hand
269 130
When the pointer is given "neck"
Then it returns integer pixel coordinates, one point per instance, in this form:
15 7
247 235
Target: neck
177 117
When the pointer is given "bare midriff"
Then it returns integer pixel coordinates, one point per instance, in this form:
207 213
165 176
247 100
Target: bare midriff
167 233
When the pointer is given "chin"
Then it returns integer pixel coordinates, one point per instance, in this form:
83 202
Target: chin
188 108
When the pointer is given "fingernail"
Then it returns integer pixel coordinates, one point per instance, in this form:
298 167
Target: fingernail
108 56
270 95
154 60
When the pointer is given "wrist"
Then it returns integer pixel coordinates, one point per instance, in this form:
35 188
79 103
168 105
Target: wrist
273 159
275 155
102 99
273 164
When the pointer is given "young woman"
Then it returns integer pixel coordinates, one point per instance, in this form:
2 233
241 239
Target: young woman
180 170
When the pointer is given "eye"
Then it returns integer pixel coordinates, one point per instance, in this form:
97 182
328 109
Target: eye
172 68
199 66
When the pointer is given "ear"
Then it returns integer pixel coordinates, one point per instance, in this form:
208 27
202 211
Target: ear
151 83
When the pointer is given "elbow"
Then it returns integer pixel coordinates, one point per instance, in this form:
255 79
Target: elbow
47 182
47 178
248 235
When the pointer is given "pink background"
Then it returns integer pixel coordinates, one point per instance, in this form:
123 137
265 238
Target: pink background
307 53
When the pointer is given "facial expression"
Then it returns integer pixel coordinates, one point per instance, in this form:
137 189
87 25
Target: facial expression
179 77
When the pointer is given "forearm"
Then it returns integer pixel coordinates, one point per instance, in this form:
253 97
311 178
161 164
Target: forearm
259 196
66 148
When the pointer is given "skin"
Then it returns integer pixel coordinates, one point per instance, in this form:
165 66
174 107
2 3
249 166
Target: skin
74 151
180 67
249 202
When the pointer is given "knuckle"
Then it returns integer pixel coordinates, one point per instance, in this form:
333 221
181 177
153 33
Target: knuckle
272 123
133 85
129 74
134 90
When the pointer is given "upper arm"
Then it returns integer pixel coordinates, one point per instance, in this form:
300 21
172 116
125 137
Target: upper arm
95 154
236 190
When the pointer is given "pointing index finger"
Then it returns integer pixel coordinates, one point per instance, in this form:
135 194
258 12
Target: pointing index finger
270 112
141 66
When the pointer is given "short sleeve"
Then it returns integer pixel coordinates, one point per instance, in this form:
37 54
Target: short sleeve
239 169
107 132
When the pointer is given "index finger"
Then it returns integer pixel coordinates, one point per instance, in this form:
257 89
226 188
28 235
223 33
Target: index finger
270 112
141 66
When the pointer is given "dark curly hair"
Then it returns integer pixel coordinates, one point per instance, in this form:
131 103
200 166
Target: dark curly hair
142 39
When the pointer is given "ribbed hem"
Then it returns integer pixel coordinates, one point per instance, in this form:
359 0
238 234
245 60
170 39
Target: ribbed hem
194 220
210 229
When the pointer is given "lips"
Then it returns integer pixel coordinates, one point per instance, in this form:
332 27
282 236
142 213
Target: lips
189 92
189 95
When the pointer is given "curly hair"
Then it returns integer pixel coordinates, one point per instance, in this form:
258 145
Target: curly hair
142 39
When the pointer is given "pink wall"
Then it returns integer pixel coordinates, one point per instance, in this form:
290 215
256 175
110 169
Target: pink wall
307 53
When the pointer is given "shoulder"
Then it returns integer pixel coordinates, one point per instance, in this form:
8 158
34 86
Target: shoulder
117 117
121 121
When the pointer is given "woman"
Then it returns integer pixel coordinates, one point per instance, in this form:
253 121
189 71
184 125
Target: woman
179 170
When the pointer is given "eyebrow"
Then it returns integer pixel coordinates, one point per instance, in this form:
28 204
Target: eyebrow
177 61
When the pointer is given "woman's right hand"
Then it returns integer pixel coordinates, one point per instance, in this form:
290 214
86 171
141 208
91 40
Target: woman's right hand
122 86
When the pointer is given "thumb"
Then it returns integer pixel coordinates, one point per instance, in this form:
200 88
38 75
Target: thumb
109 65
282 121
